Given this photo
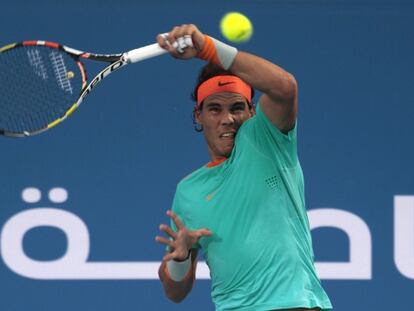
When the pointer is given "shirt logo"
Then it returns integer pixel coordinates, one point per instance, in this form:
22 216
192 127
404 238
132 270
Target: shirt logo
210 196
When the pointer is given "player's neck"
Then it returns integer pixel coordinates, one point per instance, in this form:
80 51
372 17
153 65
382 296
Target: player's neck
216 162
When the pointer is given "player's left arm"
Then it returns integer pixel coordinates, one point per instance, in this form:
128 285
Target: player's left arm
280 95
279 88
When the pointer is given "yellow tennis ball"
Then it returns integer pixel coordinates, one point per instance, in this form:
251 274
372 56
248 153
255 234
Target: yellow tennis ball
236 27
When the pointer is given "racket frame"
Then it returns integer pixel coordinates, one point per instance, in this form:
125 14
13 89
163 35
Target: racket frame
116 61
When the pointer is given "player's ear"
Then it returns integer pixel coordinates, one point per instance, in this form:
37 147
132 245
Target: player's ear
197 116
198 125
252 109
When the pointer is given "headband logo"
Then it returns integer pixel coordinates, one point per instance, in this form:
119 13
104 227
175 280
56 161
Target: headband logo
224 83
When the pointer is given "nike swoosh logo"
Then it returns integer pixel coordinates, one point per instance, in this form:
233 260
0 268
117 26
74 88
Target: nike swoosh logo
210 196
224 83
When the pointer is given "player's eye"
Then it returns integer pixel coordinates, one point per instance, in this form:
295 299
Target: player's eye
238 107
214 108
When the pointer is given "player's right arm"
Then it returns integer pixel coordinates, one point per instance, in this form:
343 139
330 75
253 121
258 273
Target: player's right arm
177 270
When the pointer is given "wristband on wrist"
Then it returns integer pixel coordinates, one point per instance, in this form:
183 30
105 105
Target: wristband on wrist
177 270
217 52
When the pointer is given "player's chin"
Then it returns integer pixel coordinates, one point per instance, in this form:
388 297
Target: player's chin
226 149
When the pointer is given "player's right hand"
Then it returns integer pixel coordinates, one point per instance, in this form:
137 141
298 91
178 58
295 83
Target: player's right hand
182 240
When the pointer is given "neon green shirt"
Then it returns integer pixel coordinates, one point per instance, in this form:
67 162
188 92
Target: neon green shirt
260 255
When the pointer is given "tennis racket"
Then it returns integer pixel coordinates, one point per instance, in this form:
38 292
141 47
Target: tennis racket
42 83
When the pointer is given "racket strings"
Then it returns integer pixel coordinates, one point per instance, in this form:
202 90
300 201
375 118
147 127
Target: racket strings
61 72
38 85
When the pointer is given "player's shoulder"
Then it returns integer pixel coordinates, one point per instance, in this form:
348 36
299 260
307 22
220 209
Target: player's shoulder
192 178
260 125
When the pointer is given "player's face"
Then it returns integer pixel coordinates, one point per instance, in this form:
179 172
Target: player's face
221 116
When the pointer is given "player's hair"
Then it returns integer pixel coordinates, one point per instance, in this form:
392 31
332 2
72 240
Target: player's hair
209 71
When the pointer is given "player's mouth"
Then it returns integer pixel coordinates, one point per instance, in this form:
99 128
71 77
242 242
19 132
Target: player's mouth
228 135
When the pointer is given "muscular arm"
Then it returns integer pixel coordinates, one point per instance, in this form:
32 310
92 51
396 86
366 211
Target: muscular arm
279 88
177 291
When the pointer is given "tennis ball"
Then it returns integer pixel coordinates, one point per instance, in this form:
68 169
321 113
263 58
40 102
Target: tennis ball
236 27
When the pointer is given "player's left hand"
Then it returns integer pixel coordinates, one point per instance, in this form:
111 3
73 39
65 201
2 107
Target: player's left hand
182 240
182 42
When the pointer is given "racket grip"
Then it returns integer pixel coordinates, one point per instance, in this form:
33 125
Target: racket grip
143 53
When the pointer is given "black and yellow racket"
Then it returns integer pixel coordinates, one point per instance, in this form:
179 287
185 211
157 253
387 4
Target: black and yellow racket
42 83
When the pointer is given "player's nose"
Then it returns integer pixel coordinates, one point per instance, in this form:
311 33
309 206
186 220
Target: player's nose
227 118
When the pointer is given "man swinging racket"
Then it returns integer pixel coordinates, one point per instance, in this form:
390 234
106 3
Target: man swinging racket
250 195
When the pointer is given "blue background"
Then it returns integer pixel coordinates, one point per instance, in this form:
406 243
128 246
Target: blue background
121 155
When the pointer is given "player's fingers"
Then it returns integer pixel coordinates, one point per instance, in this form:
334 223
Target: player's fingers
204 232
168 257
181 45
188 41
197 37
176 220
175 255
186 32
173 35
162 40
165 241
168 231
182 36
179 31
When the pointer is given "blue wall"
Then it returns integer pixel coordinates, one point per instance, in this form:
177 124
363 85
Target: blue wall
120 156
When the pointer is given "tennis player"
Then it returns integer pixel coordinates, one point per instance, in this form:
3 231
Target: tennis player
245 208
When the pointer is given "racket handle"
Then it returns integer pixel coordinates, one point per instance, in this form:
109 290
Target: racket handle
143 53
